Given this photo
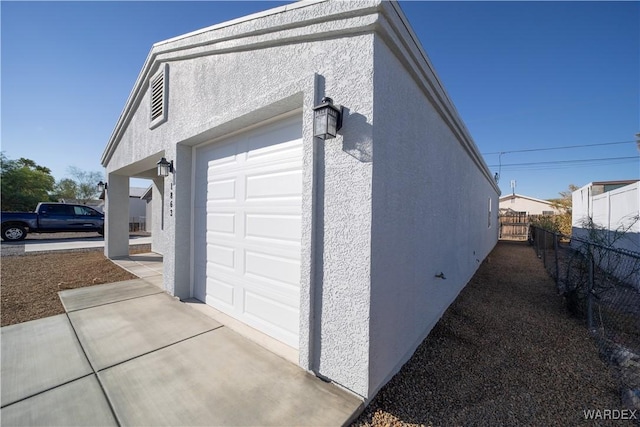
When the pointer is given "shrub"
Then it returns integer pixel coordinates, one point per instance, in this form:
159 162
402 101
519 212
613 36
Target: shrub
560 223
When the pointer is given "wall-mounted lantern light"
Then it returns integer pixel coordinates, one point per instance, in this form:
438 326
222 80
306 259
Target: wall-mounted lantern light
102 186
327 119
164 167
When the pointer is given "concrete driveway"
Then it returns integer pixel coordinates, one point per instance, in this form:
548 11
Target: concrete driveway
129 354
76 243
63 242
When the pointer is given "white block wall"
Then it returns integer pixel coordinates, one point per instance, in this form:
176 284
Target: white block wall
617 211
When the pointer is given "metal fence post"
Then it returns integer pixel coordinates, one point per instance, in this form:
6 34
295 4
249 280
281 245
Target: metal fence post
555 254
590 289
544 249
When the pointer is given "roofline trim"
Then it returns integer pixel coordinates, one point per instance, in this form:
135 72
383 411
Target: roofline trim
242 19
419 65
513 196
387 20
162 51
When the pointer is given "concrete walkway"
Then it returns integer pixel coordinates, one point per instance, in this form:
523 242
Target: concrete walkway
128 354
147 266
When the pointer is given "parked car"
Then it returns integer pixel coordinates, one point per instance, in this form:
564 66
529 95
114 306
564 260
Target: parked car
51 218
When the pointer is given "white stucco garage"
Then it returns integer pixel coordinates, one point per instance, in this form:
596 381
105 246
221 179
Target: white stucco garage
345 250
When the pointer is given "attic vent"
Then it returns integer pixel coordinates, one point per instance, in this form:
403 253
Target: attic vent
157 89
158 97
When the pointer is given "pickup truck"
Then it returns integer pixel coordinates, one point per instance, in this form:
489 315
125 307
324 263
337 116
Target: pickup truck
51 218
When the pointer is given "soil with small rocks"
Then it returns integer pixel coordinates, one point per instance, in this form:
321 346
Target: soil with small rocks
29 283
505 353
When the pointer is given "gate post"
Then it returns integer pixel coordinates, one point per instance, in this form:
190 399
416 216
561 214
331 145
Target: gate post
544 248
555 254
590 290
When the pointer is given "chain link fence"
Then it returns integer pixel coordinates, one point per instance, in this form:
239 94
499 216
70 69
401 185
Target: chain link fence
600 285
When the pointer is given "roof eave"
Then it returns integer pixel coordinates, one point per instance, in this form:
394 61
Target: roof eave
243 33
513 196
387 20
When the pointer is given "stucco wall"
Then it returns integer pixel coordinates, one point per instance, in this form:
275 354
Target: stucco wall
226 90
157 212
116 207
430 216
148 212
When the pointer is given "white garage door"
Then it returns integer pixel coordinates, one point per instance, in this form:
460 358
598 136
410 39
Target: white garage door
247 227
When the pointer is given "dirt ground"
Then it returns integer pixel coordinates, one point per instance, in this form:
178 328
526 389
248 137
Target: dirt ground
506 352
29 284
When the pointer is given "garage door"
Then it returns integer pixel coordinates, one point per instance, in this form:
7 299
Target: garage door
247 228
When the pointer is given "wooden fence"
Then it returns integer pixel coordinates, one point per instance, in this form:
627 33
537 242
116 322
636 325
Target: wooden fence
514 225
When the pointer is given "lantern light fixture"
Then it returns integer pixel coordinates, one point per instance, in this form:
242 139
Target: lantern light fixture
102 186
165 167
327 119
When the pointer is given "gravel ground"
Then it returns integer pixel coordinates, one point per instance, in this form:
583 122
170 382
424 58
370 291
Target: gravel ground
29 284
505 353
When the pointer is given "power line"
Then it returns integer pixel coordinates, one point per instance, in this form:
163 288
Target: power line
556 164
560 148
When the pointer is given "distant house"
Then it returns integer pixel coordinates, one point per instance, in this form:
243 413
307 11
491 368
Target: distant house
147 197
139 207
601 187
530 205
612 207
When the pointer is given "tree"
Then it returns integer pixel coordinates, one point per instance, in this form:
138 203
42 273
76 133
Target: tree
562 221
23 184
86 183
563 204
65 189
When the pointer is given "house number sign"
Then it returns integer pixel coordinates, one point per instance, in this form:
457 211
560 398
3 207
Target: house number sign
171 201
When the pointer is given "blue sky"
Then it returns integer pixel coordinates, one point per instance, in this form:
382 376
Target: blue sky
523 75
